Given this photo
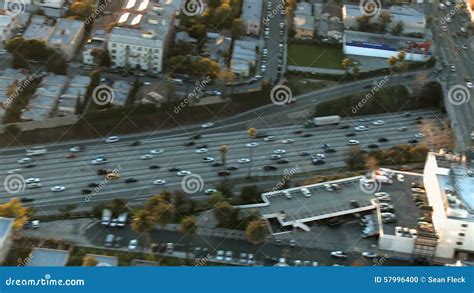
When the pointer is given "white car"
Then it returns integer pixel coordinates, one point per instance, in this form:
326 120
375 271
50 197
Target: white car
417 190
220 255
133 244
469 85
25 160
403 128
338 253
14 171
269 138
75 149
184 173
159 182
208 159
146 157
353 142
210 191
32 180
99 161
378 122
361 128
156 152
306 192
35 224
275 157
58 188
400 177
112 139
207 125
419 135
228 256
287 141
200 151
279 152
382 196
243 160
369 254
34 185
252 144
319 156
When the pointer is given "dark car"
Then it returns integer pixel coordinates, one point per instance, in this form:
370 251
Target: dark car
330 150
354 204
325 146
304 153
93 185
343 126
217 164
191 143
282 161
350 134
174 169
223 173
232 168
197 136
318 162
307 135
261 135
383 139
102 172
413 141
131 180
298 132
30 165
136 143
86 191
154 167
26 199
372 146
269 168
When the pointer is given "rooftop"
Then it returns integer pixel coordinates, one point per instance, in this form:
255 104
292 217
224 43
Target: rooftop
65 31
44 257
252 10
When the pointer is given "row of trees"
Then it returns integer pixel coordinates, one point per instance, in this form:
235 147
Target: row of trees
367 23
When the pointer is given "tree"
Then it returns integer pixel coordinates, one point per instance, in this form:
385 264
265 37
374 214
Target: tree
227 76
143 223
101 57
225 188
251 133
188 228
371 164
356 70
15 210
257 231
81 9
398 29
165 213
89 261
223 150
198 31
356 157
224 214
346 63
250 194
238 28
385 18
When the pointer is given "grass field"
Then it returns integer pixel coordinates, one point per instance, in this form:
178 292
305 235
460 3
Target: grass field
315 56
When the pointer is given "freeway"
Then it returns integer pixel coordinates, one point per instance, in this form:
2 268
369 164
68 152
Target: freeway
77 173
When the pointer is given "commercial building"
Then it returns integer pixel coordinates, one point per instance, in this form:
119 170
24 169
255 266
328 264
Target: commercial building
6 230
386 46
244 57
252 15
45 257
142 42
67 37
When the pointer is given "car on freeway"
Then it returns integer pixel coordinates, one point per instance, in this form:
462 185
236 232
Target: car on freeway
330 150
269 168
279 152
208 159
283 161
183 173
353 142
403 128
210 191
413 141
26 199
32 180
325 146
112 139
190 143
133 244
378 122
30 165
33 185
222 173
304 153
350 134
369 254
136 143
372 146
25 160
269 138
361 128
243 160
207 125
156 151
275 157
232 168
159 182
318 162
99 161
200 150
252 144
419 135
58 188
146 157
174 169
131 180
76 149
339 254
14 171
154 167
196 136
318 156
383 139
287 141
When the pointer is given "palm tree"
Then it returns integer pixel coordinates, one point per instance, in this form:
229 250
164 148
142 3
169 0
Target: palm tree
188 228
346 63
385 18
251 132
223 150
89 261
257 231
356 70
143 223
165 213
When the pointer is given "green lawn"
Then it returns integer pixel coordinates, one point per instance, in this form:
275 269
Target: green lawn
315 56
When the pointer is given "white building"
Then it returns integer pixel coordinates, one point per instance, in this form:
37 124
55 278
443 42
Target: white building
6 230
449 184
7 26
252 15
67 36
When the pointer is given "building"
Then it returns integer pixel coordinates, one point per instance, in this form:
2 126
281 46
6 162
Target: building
8 24
67 37
386 46
104 260
216 47
121 90
9 78
303 21
97 41
143 42
74 93
449 184
252 15
244 57
414 21
45 257
53 8
6 230
40 28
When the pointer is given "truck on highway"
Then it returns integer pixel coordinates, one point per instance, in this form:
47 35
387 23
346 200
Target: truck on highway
36 151
122 219
327 120
106 216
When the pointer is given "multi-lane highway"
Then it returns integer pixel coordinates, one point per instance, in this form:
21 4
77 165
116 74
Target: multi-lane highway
77 173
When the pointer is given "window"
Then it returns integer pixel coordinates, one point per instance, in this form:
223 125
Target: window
464 225
458 243
461 234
